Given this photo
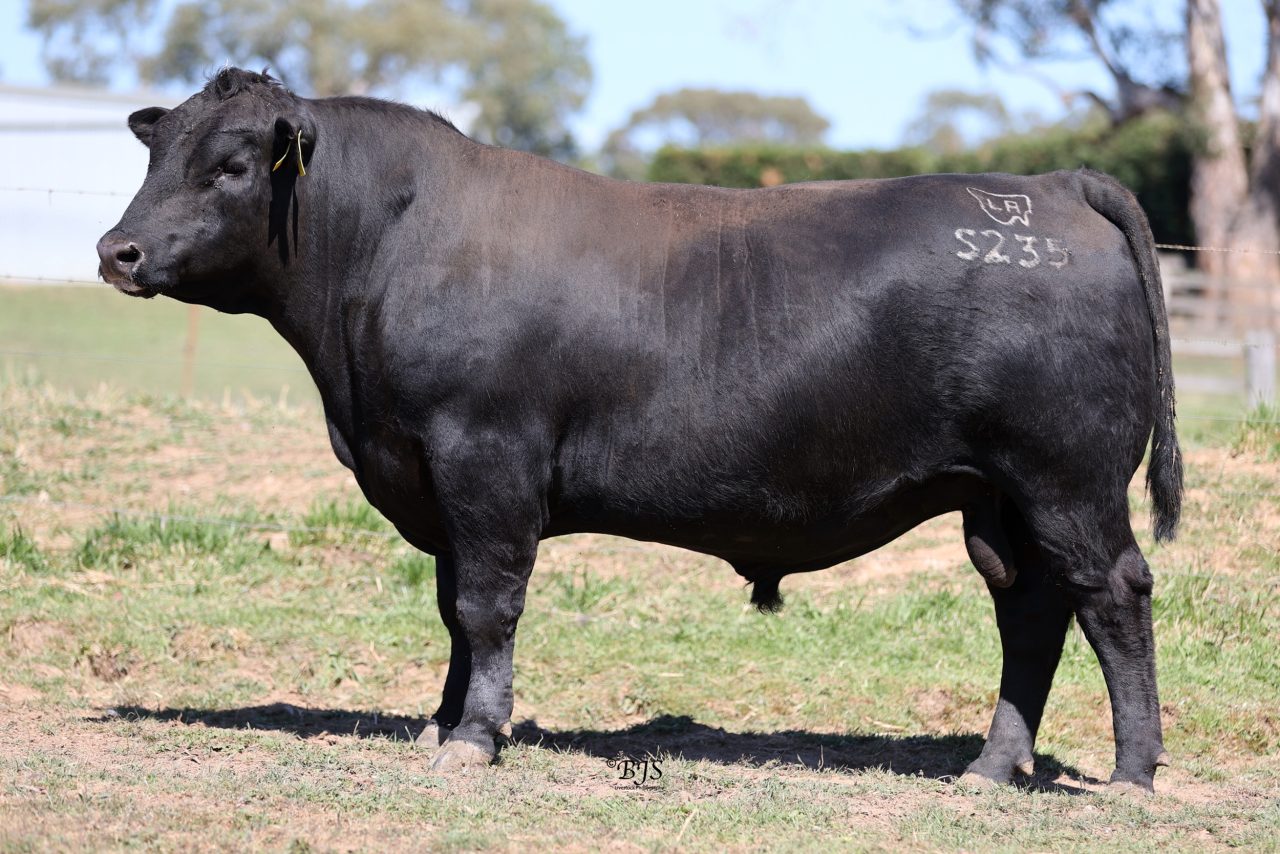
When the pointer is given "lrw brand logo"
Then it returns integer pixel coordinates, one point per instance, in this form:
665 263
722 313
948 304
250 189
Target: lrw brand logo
1005 209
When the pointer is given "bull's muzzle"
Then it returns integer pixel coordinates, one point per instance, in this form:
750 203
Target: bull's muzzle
118 260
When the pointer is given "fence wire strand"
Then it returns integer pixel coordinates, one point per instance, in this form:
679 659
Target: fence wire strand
1242 249
49 280
96 357
67 191
60 191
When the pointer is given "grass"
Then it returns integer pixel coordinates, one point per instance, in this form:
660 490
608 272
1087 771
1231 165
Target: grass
211 641
78 337
19 550
1259 434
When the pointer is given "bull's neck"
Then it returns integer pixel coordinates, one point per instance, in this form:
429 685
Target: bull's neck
372 164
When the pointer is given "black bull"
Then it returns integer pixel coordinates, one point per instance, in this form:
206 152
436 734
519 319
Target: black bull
509 349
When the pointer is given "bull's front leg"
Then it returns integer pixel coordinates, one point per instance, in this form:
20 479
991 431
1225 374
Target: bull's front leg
449 712
493 512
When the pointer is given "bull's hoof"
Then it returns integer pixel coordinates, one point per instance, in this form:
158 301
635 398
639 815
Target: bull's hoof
975 780
432 735
458 755
983 774
1131 789
1135 783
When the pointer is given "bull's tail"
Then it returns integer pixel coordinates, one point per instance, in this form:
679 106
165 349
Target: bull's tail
1164 472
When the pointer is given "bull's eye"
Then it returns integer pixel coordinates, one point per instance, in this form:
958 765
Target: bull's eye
224 169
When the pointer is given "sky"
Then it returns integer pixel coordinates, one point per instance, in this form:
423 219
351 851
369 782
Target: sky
863 65
866 65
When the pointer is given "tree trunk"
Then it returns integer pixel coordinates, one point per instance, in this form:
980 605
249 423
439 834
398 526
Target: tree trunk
1257 226
1219 178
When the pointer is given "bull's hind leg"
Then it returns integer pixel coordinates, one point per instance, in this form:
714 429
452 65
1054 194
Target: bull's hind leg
1115 613
1092 555
1032 614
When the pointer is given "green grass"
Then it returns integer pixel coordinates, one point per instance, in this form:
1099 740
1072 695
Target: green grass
218 664
414 569
197 611
18 549
79 337
1259 433
333 520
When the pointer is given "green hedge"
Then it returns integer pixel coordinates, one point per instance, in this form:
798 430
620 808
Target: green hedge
1151 156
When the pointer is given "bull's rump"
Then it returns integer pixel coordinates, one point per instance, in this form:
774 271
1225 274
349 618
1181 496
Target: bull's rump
824 358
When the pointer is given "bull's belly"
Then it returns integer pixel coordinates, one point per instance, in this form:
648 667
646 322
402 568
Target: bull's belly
768 530
760 544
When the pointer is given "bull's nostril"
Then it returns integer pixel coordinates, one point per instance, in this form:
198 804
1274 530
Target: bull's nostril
128 254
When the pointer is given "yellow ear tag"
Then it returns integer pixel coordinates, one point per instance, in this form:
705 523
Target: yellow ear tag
296 138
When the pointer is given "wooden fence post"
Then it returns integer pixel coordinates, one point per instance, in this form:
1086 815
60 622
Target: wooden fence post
189 352
1260 368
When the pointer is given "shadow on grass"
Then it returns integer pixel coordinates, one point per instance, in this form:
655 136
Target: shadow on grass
939 757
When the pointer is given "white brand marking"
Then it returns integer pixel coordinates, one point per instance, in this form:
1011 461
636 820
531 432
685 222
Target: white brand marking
1055 255
1053 246
995 256
1029 248
1004 208
973 251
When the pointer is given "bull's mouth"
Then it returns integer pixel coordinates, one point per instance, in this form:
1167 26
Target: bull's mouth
126 285
134 290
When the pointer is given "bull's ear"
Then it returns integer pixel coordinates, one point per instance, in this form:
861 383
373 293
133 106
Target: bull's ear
295 142
142 122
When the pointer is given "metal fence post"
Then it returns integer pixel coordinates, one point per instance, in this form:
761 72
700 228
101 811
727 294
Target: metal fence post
1260 368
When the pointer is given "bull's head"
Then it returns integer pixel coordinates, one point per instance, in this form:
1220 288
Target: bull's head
218 190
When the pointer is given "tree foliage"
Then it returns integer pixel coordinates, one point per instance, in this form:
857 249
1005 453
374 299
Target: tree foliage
514 59
940 125
698 117
81 39
1151 156
1232 200
1141 57
532 74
